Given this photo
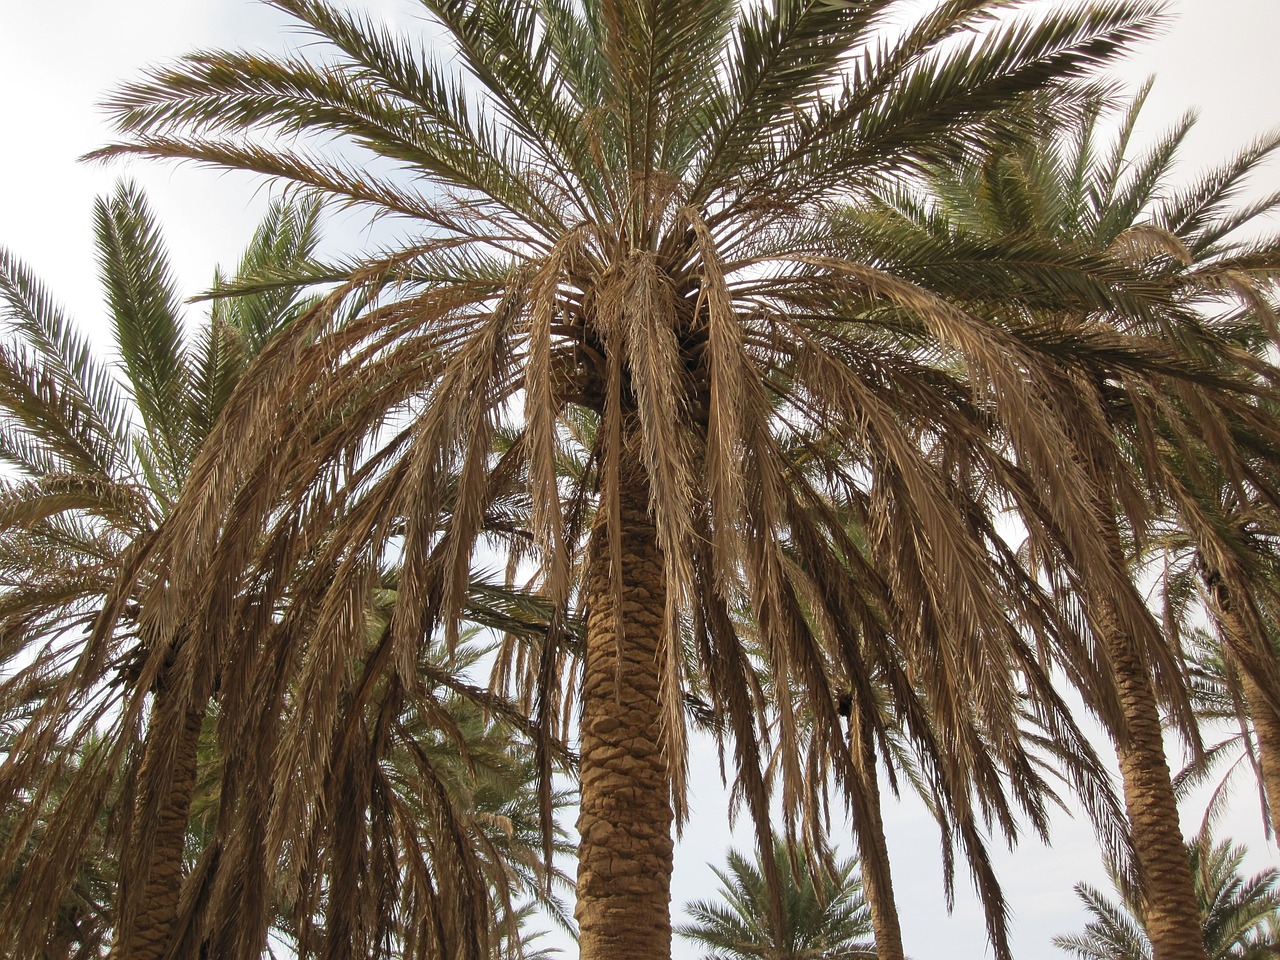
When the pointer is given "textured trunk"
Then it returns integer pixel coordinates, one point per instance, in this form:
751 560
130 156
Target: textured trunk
1266 725
1173 917
157 910
625 852
873 848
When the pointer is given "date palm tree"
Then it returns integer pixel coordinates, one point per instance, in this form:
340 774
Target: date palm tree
626 210
1067 192
1239 916
1237 756
103 460
823 913
100 452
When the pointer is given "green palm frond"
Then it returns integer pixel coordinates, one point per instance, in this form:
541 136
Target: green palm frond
48 334
1240 916
146 315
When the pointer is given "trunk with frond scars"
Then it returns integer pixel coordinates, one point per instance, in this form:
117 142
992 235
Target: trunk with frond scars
1173 917
873 848
157 910
625 851
1266 723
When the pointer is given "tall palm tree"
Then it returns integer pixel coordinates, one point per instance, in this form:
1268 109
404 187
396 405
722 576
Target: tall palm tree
823 913
1235 757
1219 557
1006 785
627 208
1239 916
1067 193
99 460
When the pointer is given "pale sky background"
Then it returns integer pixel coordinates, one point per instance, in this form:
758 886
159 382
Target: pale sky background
58 58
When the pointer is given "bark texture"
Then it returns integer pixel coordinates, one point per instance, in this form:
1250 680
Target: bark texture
157 911
625 852
1266 723
1173 917
1266 726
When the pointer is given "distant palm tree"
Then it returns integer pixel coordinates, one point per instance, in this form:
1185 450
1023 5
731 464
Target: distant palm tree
1240 917
819 915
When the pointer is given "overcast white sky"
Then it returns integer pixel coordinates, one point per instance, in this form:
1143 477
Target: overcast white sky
59 57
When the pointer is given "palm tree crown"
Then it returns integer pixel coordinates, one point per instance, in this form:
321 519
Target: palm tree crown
822 915
1240 916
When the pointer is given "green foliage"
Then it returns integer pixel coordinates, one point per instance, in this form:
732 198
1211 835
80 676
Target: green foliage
1240 915
820 912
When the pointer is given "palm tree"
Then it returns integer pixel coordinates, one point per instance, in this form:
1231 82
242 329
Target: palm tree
1065 193
1220 559
441 782
1240 917
1005 785
823 915
99 463
627 209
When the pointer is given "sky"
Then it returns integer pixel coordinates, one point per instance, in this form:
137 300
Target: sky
58 59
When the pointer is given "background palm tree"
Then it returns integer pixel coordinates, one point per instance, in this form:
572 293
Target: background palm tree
1233 758
1075 193
81 924
1240 917
823 914
100 452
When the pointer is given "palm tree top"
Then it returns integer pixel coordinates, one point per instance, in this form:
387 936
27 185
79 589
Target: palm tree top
1240 916
822 914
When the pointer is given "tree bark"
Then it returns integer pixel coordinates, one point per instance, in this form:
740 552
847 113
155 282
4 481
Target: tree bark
148 936
873 847
1266 726
1173 922
1266 723
625 852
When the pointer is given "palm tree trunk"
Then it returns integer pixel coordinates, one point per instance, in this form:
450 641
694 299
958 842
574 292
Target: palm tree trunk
1266 723
625 852
156 915
1266 726
873 847
1173 917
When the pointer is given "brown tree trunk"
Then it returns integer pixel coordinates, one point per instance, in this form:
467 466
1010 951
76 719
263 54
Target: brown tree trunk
625 852
873 847
1173 917
148 936
1266 725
